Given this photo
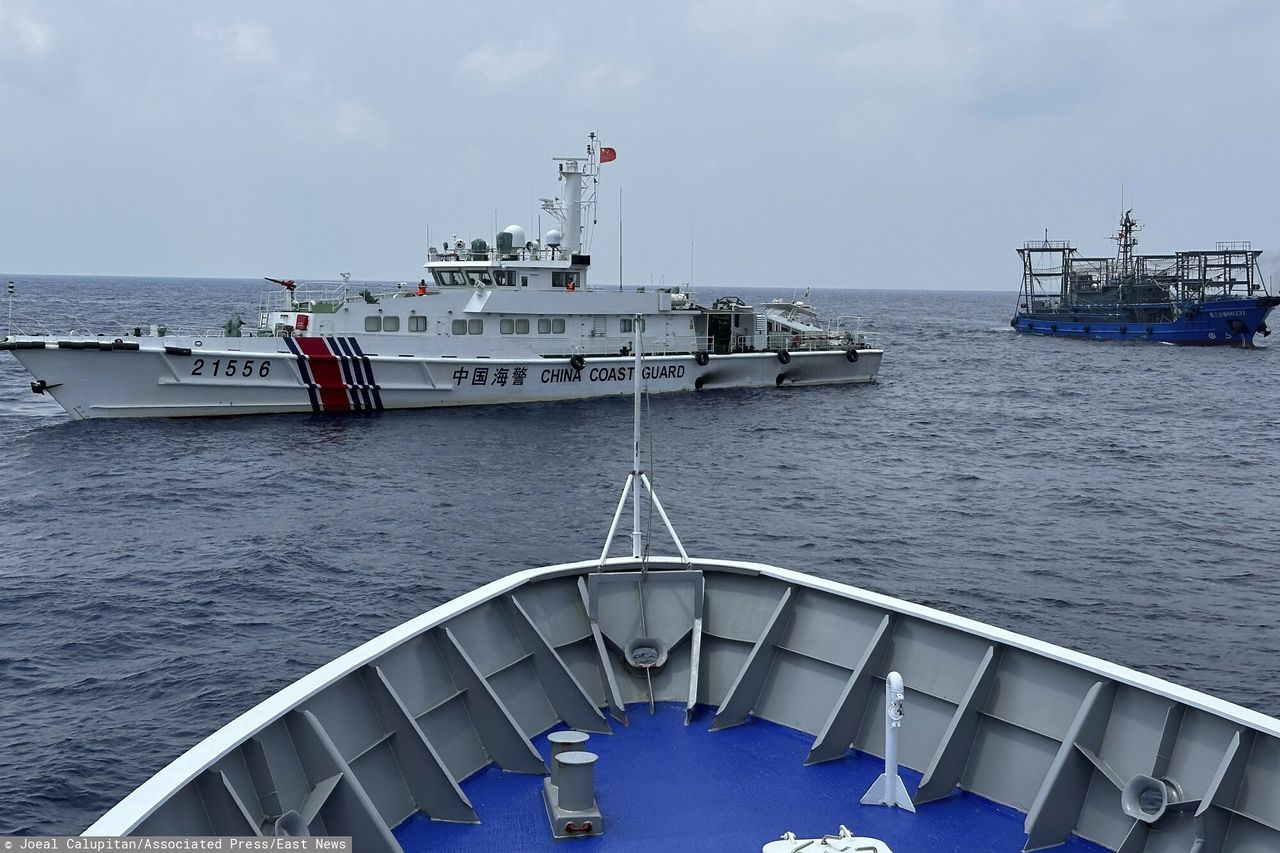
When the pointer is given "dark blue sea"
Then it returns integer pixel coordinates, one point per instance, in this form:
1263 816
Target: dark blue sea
159 577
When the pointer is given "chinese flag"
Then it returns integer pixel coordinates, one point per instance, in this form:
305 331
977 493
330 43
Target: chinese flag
608 155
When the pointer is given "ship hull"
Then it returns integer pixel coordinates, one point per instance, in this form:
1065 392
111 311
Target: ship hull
177 377
1235 322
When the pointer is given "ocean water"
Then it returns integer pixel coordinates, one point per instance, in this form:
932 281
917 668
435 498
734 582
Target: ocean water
160 577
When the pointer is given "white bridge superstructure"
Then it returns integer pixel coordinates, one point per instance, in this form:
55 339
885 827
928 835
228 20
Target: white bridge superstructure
513 321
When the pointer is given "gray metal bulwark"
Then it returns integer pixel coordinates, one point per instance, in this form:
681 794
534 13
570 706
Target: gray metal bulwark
566 695
498 731
949 761
1056 809
228 814
434 790
745 691
617 708
695 660
846 716
347 808
1213 815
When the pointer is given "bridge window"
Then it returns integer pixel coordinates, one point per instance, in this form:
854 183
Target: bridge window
373 324
449 278
559 278
522 327
417 323
480 278
390 324
507 327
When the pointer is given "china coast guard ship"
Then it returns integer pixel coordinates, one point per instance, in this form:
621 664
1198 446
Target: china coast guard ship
646 703
1205 298
516 321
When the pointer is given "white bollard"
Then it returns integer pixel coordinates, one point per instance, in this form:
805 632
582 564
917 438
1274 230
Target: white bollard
888 790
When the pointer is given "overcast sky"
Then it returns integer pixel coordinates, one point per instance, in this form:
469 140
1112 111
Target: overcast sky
840 143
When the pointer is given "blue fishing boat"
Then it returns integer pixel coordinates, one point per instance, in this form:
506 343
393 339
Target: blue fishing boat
1202 298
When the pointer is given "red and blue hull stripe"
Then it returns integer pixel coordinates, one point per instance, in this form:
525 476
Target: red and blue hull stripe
337 373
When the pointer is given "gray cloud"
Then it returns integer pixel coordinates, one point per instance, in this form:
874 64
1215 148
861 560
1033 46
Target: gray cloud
828 143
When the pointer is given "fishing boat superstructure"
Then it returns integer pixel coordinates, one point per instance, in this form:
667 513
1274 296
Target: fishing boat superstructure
1215 297
513 321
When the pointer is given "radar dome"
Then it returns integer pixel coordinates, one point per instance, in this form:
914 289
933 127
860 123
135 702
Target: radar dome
553 238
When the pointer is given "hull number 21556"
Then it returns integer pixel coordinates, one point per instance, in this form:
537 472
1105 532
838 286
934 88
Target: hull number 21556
231 367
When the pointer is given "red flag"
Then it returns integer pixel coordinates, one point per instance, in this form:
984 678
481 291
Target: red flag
608 155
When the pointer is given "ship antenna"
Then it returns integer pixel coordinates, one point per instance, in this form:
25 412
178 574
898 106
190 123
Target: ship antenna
638 479
9 325
693 230
636 471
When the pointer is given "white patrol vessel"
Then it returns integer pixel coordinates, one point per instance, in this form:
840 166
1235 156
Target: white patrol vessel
516 321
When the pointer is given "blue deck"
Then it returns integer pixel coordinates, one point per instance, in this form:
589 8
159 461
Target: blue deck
664 786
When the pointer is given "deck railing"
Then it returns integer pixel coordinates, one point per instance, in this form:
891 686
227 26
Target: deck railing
78 327
814 341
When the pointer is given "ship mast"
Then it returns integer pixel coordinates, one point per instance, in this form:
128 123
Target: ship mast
1125 241
637 536
575 172
638 479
